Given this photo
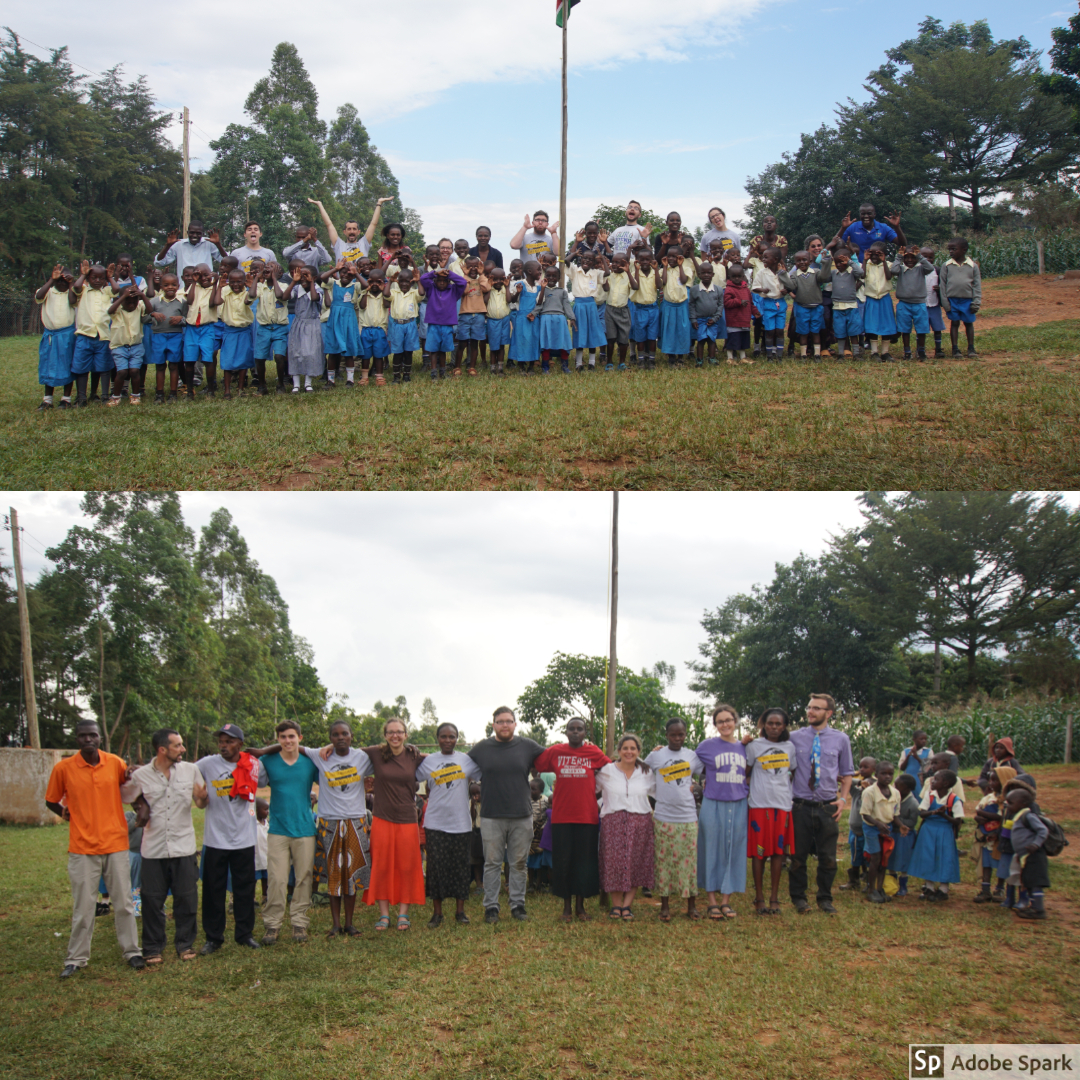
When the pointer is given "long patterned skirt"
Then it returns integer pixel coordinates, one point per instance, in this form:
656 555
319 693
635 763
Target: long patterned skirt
626 851
341 856
676 858
448 870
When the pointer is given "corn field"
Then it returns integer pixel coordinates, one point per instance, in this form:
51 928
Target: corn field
1002 254
1037 730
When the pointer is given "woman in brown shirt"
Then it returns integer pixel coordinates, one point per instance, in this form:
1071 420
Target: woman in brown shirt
397 875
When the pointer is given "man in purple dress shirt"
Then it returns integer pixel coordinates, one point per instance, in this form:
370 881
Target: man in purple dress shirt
823 765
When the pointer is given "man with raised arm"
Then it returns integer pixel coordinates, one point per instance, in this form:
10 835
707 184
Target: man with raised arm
534 237
352 246
192 251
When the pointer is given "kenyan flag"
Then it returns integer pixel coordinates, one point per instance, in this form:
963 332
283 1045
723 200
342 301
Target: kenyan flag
562 10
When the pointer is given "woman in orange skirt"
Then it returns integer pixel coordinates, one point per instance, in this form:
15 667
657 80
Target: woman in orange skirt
397 875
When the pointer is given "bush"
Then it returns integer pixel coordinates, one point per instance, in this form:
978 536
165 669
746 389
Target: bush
1037 730
1003 254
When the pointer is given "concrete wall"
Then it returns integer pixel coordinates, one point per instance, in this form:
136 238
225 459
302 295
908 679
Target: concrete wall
24 776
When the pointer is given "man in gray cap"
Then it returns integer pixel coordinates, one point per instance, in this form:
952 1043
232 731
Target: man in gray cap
229 839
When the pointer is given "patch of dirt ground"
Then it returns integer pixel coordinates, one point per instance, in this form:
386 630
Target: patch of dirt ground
1028 299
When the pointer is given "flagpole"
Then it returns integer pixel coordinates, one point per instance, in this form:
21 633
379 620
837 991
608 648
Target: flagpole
562 179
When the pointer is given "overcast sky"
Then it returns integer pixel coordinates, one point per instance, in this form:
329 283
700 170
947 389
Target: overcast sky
465 598
672 104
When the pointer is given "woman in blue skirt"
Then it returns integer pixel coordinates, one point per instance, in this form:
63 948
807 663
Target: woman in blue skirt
935 858
721 848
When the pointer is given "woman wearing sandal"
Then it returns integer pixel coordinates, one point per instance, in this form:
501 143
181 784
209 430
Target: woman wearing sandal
722 822
626 828
397 875
770 761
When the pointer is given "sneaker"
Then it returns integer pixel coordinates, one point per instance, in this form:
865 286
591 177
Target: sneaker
1028 914
82 402
957 354
983 898
565 368
826 906
921 354
491 915
875 897
939 354
907 354
972 354
802 906
135 399
113 402
69 970
137 963
270 937
299 935
171 398
519 913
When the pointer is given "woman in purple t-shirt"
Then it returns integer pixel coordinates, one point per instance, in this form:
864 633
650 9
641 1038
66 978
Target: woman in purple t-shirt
722 820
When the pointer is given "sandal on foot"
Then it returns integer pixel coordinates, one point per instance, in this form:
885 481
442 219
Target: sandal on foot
155 961
352 931
709 912
335 931
760 907
627 915
727 911
382 922
583 916
693 914
665 916
615 913
403 922
774 908
188 954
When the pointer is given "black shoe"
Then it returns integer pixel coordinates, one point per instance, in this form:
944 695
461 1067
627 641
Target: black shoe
82 402
282 388
462 918
957 354
491 915
519 913
435 921
329 385
249 943
210 948
69 970
921 354
159 399
136 963
826 906
102 909
63 403
171 398
45 406
939 354
801 906
972 354
907 354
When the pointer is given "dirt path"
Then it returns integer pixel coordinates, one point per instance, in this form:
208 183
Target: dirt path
1028 299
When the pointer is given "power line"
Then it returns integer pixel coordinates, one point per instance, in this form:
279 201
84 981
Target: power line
45 49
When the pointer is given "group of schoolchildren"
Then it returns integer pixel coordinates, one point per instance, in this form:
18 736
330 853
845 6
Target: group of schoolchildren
105 326
1012 836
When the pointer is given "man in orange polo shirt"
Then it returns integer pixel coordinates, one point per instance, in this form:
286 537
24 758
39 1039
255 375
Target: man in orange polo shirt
89 785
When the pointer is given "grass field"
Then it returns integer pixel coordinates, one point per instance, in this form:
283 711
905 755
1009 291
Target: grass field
791 998
1009 420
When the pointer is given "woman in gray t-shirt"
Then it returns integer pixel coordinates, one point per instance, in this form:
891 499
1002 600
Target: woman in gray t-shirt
770 765
718 230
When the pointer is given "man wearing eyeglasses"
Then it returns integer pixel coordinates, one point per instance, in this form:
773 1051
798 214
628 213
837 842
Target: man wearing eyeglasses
823 771
506 817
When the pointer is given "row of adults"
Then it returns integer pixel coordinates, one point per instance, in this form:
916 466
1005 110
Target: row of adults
535 237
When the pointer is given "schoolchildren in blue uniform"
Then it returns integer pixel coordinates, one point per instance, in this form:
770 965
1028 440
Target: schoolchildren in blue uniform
404 296
771 300
960 287
525 342
936 859
904 831
341 331
804 283
706 310
373 321
234 294
847 319
271 328
644 310
200 333
125 341
879 322
57 347
586 280
675 335
556 317
91 354
910 271
165 320
499 320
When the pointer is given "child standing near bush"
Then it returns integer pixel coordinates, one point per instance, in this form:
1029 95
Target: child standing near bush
57 348
961 295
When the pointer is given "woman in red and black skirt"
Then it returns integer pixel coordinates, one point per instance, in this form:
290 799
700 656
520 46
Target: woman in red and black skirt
397 876
626 826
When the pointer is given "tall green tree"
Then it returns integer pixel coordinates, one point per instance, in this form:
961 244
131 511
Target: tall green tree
778 643
967 571
956 112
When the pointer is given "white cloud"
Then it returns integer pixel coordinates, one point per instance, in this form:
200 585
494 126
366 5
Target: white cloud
412 52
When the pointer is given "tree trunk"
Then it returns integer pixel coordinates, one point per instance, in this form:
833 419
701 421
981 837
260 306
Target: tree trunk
101 678
976 211
119 716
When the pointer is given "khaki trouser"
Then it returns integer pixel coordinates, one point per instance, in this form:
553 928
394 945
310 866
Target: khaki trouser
85 871
279 851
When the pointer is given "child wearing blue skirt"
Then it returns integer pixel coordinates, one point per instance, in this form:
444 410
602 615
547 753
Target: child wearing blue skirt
879 322
903 832
586 286
525 341
57 347
675 312
341 331
936 859
234 295
556 317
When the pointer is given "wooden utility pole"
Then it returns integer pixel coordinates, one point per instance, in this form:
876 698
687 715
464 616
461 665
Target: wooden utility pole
24 633
187 173
609 720
562 177
1068 739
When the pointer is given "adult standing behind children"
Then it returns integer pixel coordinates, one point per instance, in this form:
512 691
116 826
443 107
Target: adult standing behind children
352 246
823 771
867 230
534 237
718 230
484 251
623 239
231 777
252 248
506 820
169 785
192 251
84 790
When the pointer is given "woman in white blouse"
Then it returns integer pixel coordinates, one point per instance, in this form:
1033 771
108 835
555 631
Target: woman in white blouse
626 828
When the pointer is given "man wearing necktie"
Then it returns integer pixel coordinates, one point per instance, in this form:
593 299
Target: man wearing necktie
823 771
